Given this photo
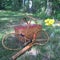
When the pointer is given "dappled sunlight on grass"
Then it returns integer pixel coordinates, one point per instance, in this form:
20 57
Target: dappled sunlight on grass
11 13
33 51
4 19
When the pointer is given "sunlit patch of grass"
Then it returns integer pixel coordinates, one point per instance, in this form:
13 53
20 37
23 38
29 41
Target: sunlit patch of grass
4 18
10 13
1 35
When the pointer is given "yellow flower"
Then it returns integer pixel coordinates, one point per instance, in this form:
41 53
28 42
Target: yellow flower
49 22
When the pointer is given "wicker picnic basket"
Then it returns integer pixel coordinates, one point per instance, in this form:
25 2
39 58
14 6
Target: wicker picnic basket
28 31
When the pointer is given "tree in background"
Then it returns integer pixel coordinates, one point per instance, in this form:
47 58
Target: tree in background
49 8
2 4
15 5
30 6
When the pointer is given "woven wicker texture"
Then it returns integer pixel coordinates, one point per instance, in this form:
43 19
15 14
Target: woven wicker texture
28 31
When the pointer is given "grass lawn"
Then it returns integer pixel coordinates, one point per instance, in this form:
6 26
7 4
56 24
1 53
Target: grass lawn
51 49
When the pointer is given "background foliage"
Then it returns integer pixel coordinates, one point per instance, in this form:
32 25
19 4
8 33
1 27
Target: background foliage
39 7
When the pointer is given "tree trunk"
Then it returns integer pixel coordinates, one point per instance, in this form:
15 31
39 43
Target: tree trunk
15 5
49 8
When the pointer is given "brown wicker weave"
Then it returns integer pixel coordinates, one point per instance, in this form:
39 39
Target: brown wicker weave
28 31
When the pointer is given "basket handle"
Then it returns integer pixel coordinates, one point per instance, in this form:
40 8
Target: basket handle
29 22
